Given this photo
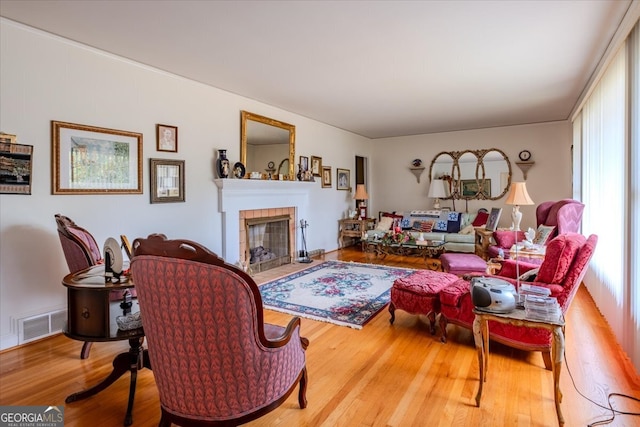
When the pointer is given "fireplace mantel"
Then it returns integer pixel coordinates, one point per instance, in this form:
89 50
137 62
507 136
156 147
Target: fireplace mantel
235 195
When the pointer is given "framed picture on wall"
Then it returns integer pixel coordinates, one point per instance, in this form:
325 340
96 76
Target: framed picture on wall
94 160
316 165
167 138
343 177
15 168
326 177
167 180
304 163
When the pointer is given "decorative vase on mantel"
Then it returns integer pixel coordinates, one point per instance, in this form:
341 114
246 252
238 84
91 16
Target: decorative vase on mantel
223 164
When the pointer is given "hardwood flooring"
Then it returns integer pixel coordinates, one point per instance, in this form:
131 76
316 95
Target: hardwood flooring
381 375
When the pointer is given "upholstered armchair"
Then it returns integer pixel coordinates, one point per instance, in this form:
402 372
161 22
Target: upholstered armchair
554 218
214 359
80 251
562 271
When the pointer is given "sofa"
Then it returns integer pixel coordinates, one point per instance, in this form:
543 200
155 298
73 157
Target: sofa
456 229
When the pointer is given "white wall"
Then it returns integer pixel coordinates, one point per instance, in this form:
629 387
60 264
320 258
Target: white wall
44 78
395 188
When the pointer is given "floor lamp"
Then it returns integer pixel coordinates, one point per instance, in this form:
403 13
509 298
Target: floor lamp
436 191
517 197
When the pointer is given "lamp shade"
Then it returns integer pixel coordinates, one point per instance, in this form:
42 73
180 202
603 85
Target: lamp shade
436 189
518 195
361 193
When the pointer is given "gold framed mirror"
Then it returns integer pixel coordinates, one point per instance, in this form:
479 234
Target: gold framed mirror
473 174
264 142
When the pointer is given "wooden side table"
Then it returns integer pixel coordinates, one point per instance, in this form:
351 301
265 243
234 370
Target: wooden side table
518 318
483 240
353 228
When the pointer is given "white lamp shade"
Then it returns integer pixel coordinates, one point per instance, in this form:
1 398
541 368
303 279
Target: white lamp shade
436 189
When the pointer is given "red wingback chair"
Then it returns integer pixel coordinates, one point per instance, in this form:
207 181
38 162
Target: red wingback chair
80 251
214 359
565 215
565 264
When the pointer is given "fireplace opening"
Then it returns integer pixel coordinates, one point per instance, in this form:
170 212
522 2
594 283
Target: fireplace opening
268 242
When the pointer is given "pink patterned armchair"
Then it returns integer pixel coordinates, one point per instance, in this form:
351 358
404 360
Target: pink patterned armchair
562 271
565 215
214 359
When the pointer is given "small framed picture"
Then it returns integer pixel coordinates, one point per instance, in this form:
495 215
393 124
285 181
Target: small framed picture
316 165
326 177
167 180
343 177
494 217
304 163
167 138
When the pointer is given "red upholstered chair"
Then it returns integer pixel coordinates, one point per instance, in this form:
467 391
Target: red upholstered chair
565 216
80 251
214 359
565 264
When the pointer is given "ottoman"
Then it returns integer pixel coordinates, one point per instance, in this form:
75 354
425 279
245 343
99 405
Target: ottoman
418 294
460 264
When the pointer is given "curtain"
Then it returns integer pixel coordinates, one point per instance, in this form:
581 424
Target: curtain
606 171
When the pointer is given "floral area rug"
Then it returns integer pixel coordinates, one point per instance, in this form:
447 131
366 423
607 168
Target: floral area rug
343 293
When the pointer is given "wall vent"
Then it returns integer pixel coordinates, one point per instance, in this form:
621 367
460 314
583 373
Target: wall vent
40 326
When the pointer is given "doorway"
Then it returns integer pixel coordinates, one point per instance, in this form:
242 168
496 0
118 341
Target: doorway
361 178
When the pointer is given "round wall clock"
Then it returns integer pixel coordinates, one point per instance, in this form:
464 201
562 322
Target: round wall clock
525 155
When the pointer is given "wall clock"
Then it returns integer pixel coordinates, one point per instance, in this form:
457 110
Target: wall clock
525 155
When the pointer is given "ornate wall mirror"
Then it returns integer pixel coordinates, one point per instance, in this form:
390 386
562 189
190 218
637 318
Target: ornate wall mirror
265 142
473 174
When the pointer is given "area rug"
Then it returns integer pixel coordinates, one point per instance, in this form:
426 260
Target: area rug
343 293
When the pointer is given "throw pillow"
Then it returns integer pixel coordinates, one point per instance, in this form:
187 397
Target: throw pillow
507 238
468 230
385 223
558 258
543 233
481 219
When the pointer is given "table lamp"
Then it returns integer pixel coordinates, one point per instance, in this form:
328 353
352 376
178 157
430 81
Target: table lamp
436 190
517 197
360 197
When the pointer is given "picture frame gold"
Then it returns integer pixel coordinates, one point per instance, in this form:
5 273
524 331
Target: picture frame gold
316 165
326 177
95 160
166 180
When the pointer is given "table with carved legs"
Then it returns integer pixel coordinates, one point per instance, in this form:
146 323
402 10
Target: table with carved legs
518 318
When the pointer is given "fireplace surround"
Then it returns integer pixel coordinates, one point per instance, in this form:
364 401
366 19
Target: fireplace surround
238 195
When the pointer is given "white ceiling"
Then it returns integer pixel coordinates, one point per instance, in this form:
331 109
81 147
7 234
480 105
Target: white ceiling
376 68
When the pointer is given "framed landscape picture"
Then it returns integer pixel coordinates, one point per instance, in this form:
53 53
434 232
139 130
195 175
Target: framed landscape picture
94 160
470 188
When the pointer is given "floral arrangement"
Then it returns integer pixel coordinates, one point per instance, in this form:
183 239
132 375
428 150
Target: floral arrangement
397 237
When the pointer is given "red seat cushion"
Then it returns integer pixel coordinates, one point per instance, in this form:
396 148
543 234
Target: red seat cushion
451 294
425 282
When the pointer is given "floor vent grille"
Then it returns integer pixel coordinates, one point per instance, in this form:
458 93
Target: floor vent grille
40 326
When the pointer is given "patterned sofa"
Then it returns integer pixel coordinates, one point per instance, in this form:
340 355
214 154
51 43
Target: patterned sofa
456 229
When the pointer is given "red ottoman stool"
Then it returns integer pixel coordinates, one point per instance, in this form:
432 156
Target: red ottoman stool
460 264
418 294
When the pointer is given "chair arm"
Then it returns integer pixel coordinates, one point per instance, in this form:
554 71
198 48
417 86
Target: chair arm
509 268
287 333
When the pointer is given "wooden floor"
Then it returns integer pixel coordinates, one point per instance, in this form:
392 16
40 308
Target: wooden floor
381 375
